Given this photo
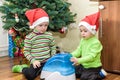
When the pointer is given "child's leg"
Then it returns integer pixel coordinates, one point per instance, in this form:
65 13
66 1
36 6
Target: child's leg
31 73
91 74
78 70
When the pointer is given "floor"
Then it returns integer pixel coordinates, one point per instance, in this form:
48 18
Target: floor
6 64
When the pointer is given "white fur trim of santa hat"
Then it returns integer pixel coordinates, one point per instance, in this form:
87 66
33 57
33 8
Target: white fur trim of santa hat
91 28
39 21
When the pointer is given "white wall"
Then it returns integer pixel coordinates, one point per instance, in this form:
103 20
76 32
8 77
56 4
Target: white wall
83 8
3 38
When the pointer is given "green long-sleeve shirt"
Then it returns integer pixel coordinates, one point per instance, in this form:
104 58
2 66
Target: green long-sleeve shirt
39 46
89 52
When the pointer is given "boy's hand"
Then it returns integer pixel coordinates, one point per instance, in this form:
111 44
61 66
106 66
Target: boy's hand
36 64
74 60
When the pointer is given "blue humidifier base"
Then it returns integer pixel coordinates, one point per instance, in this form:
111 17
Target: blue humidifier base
58 67
56 76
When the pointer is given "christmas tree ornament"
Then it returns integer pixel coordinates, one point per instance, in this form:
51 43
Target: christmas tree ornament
63 30
16 18
12 32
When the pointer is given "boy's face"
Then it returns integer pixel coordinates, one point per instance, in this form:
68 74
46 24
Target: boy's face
42 27
85 33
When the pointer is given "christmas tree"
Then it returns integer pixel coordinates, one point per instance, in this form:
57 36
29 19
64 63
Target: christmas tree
17 24
14 14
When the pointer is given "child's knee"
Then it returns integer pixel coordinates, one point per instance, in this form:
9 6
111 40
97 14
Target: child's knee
90 77
30 77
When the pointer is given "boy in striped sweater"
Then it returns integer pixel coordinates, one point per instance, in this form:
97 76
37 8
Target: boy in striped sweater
39 45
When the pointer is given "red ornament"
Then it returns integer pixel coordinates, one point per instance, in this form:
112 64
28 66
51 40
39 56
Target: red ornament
63 30
12 32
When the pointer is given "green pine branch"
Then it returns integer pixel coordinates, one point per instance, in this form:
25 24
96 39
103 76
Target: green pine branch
58 11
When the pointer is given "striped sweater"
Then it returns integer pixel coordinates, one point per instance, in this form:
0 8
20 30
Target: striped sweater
39 46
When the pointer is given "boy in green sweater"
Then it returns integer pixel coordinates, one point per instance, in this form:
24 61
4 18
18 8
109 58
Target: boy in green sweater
39 45
87 56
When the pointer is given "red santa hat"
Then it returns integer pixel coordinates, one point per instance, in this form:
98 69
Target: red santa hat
91 22
36 17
